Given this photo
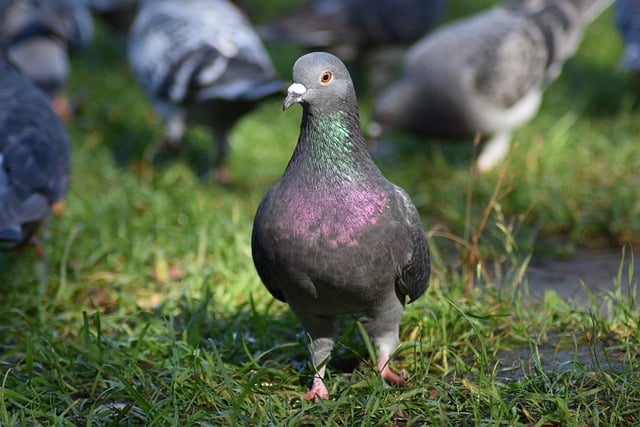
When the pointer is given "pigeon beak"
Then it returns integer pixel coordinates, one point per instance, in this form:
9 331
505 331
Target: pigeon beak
294 95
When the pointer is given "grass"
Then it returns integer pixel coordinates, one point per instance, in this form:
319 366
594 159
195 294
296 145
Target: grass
146 309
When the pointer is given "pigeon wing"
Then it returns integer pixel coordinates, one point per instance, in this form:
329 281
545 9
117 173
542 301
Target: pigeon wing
180 51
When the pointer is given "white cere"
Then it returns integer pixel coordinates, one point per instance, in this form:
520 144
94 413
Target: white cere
297 89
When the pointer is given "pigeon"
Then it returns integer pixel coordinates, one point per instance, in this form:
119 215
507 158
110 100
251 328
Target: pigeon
485 73
35 158
38 37
349 26
627 18
202 61
333 237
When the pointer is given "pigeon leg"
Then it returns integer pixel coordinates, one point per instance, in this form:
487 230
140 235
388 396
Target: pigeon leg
37 247
493 150
382 327
62 107
387 374
175 128
318 390
320 349
221 142
321 331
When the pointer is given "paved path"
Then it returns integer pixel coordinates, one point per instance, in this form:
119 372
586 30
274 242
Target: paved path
596 269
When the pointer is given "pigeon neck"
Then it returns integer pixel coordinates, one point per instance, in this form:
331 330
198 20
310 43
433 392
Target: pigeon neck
331 144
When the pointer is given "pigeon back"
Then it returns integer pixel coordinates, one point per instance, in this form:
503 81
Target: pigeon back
35 158
195 50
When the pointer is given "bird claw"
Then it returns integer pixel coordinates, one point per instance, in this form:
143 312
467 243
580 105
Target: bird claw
63 108
387 374
318 391
223 175
391 377
58 208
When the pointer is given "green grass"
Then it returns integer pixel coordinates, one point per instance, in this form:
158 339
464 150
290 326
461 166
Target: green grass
146 308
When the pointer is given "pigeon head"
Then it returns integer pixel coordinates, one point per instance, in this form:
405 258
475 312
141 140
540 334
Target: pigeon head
320 81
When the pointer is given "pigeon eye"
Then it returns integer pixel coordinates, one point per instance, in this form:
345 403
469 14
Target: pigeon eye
326 77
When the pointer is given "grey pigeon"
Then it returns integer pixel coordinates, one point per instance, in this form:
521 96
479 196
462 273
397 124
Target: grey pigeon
200 60
35 158
627 17
39 35
349 26
333 236
485 73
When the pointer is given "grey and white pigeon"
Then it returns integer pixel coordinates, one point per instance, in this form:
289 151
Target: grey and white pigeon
38 37
486 73
627 18
201 61
333 236
348 26
35 158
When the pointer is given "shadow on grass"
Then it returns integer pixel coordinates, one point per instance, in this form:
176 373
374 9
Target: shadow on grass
601 89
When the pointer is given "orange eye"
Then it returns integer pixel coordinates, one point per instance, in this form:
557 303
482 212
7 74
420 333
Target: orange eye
326 77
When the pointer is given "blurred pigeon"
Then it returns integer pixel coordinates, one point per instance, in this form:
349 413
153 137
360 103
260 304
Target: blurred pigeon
333 236
200 60
351 25
627 19
35 158
485 73
39 35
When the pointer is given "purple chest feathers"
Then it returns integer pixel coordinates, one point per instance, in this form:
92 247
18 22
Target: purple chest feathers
335 218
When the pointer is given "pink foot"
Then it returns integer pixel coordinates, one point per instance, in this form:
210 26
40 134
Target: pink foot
62 107
318 391
223 175
388 375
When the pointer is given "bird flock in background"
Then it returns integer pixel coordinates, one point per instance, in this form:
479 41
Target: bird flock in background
332 236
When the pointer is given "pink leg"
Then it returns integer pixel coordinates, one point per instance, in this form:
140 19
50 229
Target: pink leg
318 391
223 175
62 107
386 372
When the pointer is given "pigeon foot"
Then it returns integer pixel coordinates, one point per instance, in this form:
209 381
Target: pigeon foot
223 175
318 391
387 374
62 107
